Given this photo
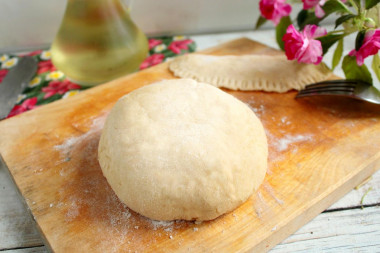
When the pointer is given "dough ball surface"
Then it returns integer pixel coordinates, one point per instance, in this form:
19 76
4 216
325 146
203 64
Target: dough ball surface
179 149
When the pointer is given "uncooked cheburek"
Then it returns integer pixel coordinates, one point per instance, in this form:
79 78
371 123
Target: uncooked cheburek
249 72
179 149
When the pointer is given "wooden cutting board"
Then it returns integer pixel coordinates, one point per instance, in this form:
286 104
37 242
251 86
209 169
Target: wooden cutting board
319 150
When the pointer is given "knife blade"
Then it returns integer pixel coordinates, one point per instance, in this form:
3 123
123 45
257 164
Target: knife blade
15 82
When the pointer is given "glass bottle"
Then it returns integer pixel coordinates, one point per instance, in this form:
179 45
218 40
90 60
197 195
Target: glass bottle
97 42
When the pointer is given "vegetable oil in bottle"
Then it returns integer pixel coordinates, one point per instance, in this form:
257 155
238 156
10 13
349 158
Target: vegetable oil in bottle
97 42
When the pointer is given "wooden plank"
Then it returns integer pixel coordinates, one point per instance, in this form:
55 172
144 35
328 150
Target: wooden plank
15 235
17 229
344 231
314 160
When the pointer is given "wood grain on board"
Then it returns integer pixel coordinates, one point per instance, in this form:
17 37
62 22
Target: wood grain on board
319 149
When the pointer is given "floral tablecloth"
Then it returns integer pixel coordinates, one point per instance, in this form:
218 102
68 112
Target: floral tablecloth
50 84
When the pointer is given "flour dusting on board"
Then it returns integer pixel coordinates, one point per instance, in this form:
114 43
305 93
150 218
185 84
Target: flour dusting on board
270 190
280 140
288 140
162 224
68 144
283 136
259 204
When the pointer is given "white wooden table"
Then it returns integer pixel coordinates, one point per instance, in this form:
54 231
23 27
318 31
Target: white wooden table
350 225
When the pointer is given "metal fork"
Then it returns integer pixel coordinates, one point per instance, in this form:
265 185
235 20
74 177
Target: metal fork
347 88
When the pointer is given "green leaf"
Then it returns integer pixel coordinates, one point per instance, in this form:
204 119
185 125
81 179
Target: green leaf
329 40
306 17
343 19
332 6
370 3
301 18
192 47
42 100
376 65
281 30
359 39
169 53
337 54
353 71
357 2
260 21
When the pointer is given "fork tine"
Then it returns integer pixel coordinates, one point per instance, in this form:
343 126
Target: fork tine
331 84
331 88
355 89
347 90
305 93
351 81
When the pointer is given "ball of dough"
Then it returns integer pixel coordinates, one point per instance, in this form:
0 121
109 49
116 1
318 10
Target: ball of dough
179 149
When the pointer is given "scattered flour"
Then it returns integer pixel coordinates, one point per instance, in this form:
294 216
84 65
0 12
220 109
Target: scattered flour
66 147
126 214
72 211
285 120
284 142
259 204
278 144
38 171
169 229
161 224
69 143
270 190
257 110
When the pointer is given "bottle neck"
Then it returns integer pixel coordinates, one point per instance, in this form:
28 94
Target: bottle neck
95 10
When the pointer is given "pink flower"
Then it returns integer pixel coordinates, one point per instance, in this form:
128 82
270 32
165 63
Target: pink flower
3 73
176 46
27 105
152 60
302 45
60 87
274 10
44 66
370 46
317 4
153 43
